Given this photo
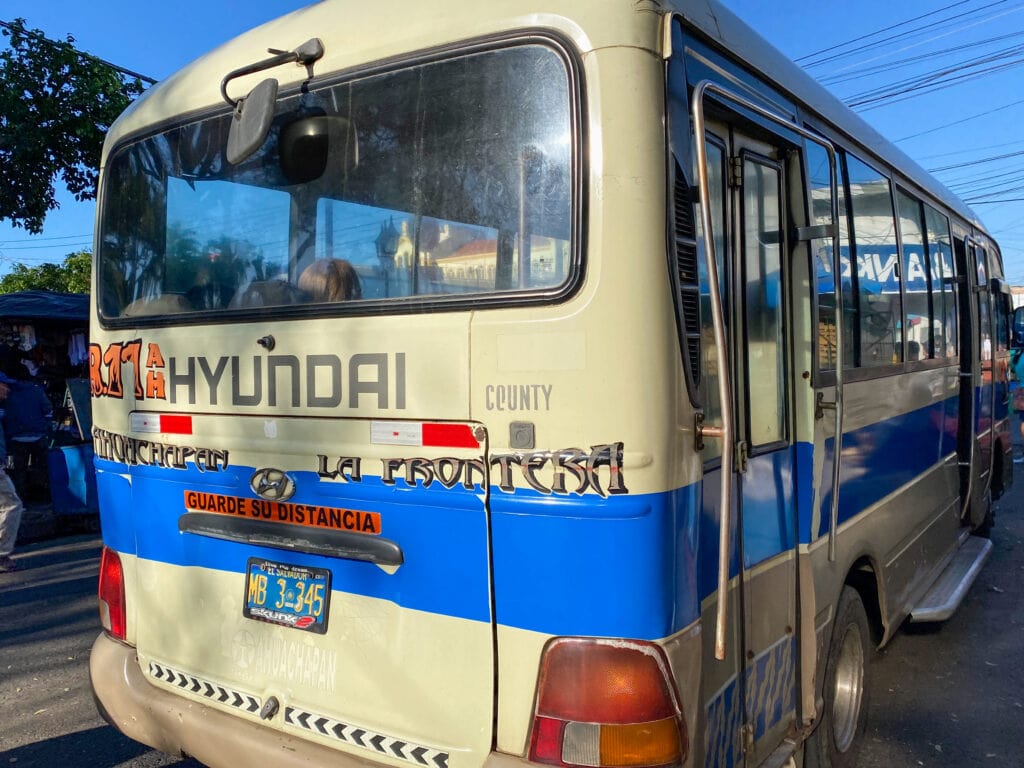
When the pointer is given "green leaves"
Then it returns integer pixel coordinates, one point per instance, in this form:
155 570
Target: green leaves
56 105
70 277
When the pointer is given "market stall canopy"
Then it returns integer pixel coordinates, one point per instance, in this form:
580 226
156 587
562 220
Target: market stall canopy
45 305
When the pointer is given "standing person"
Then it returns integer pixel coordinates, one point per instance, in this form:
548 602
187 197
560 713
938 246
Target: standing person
1017 369
27 422
10 504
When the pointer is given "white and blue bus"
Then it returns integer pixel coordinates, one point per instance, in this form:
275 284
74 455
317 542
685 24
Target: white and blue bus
566 382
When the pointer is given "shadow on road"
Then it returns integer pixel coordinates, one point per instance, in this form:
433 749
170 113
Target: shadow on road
100 747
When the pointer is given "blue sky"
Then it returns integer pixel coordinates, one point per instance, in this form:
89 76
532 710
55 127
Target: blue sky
156 39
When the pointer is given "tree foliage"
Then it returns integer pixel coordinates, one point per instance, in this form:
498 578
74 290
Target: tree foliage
55 107
70 277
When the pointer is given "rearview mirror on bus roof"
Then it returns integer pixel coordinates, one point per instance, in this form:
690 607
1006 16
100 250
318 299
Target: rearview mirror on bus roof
311 144
251 121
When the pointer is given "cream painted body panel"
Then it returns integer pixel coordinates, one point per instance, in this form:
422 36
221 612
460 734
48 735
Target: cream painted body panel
381 643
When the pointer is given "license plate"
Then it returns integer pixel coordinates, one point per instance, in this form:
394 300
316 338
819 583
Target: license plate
289 595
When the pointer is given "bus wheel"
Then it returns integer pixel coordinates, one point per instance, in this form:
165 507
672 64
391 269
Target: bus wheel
836 740
984 529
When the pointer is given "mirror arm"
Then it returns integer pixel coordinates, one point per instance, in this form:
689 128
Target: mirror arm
305 54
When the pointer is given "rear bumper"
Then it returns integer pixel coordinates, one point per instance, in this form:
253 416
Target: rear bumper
179 726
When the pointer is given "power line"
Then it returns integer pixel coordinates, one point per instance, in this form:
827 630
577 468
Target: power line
44 239
902 35
877 32
18 28
991 159
865 72
939 79
959 121
934 155
40 247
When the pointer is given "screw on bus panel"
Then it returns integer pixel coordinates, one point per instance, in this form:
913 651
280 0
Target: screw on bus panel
267 342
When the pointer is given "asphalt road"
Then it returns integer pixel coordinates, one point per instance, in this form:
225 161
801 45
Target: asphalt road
941 696
952 694
48 621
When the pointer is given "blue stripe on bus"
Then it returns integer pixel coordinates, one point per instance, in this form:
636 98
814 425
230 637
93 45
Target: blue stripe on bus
443 534
563 565
566 571
882 457
622 566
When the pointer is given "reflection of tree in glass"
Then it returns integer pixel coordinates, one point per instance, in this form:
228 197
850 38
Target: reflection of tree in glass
182 258
131 248
219 272
211 274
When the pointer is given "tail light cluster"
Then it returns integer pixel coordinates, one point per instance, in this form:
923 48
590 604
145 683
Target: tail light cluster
607 703
112 613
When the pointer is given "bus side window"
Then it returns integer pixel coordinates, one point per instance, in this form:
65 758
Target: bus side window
880 335
943 286
919 319
984 308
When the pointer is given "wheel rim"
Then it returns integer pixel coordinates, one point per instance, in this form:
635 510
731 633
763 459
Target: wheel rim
849 688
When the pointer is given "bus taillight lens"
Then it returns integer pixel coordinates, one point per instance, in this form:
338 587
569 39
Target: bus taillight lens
112 613
607 703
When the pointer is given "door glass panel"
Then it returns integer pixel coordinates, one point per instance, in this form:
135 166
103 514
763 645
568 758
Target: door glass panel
762 265
709 352
820 179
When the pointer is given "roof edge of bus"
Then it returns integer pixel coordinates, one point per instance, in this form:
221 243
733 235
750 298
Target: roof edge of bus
413 26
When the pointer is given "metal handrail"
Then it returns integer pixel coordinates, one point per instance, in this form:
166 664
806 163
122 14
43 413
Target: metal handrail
718 327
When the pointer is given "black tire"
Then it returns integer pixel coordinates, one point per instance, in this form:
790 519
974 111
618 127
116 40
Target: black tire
836 741
984 529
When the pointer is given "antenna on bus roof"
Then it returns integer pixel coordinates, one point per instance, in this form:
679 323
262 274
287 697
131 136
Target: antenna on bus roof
254 112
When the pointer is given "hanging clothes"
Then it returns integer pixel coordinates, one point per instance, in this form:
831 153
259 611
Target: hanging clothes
78 351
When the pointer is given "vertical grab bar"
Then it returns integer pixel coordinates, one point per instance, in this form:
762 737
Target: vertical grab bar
724 388
837 272
718 327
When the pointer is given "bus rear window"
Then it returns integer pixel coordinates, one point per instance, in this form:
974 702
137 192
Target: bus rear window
444 181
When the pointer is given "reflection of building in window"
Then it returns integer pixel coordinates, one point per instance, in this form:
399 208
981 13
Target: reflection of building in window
453 258
475 263
404 249
827 343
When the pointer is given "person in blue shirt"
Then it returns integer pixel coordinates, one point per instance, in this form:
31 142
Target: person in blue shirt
10 503
27 423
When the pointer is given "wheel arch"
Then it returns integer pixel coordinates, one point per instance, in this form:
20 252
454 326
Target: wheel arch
863 576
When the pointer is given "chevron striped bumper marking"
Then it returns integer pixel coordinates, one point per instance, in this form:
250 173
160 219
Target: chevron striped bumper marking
228 696
414 754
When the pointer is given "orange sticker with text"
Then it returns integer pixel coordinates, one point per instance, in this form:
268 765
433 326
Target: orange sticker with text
331 518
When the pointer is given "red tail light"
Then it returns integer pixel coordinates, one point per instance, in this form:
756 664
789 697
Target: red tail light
112 614
607 703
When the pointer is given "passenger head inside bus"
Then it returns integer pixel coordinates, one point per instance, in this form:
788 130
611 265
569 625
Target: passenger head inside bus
330 280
